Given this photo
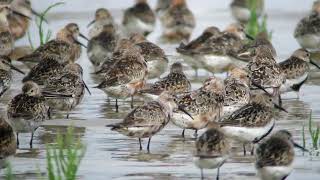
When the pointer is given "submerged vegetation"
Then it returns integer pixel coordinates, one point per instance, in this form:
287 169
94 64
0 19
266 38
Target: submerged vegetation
256 25
63 158
44 35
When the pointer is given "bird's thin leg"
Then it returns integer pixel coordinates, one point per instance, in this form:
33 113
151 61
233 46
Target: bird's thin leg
183 133
252 150
218 173
18 140
117 107
132 102
196 133
140 144
148 147
201 170
31 140
244 149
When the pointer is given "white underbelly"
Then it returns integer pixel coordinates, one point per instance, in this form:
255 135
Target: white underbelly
215 63
247 134
181 120
209 163
309 41
286 87
274 172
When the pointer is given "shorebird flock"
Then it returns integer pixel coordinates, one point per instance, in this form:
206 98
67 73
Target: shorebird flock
241 108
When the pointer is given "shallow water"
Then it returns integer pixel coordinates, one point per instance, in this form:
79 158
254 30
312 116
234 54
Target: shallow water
111 155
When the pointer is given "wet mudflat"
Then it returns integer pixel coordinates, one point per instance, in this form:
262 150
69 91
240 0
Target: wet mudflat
111 155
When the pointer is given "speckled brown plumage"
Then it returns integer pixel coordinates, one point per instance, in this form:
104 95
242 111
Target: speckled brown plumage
8 143
237 92
212 143
43 70
294 67
275 151
175 82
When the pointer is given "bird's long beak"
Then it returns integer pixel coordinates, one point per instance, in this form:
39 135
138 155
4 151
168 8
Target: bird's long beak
315 64
55 95
87 88
20 14
249 37
279 107
78 42
299 146
261 88
92 22
83 36
181 108
245 54
16 69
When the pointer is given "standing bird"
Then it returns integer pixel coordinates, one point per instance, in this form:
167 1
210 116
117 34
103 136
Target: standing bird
102 18
178 22
27 111
264 72
139 19
147 120
252 122
241 9
101 46
212 149
69 82
175 82
70 34
8 144
307 31
64 47
188 51
274 157
125 74
237 91
6 74
204 104
154 56
296 69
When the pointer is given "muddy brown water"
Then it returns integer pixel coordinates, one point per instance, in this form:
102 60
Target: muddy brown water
113 156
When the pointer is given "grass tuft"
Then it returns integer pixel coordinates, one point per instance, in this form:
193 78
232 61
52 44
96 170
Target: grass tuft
64 157
254 25
44 36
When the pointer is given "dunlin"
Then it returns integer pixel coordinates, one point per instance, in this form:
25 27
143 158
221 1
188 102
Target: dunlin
241 9
155 57
237 90
264 72
204 104
252 122
147 120
212 150
217 53
69 82
27 111
102 45
102 18
274 156
189 51
8 144
177 22
296 69
307 31
6 74
175 82
125 74
139 19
